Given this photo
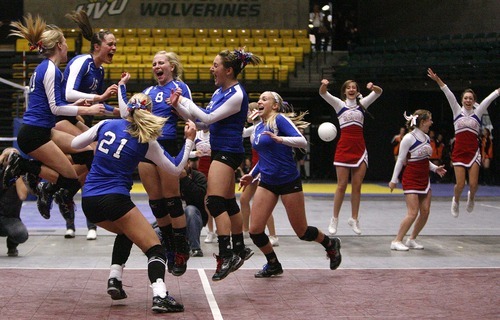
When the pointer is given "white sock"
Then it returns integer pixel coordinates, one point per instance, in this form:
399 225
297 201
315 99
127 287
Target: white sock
116 271
159 288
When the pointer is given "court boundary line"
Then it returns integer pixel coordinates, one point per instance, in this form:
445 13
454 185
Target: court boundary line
212 302
243 268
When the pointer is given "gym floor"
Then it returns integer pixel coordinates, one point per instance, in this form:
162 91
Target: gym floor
456 276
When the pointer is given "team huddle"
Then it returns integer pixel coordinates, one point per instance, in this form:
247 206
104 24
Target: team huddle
66 155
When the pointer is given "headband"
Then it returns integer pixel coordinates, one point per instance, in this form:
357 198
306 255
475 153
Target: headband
276 98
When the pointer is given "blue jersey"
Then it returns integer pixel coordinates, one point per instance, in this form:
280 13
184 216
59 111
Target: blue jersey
45 95
276 162
225 134
83 79
116 157
161 108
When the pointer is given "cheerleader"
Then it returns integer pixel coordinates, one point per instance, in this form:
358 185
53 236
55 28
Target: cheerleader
351 156
466 155
415 151
274 139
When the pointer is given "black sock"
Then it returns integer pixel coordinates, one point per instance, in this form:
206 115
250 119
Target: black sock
327 242
272 258
225 246
238 242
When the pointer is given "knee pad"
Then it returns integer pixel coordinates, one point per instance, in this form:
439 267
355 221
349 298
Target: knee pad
156 252
259 239
158 207
84 157
216 205
311 234
232 206
174 207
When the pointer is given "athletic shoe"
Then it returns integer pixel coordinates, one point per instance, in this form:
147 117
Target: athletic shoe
170 261
196 253
225 265
92 234
211 237
454 208
180 264
44 199
66 204
412 244
398 246
115 289
70 234
167 304
246 253
270 270
13 169
333 253
332 227
274 241
470 203
354 225
12 252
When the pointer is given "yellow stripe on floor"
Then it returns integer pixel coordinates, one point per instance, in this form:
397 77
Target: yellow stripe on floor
316 188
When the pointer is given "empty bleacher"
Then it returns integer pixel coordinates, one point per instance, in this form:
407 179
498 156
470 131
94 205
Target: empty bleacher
465 57
280 49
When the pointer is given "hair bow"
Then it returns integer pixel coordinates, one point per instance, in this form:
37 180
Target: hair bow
245 57
133 105
38 45
412 118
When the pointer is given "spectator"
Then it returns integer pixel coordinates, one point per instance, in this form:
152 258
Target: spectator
300 156
193 186
316 18
486 156
396 140
11 200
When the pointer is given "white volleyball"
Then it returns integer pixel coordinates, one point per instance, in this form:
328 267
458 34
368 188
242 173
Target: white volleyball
327 131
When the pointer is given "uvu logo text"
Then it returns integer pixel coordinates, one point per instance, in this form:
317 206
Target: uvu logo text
96 9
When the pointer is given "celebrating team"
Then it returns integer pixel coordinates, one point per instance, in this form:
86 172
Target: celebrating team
145 137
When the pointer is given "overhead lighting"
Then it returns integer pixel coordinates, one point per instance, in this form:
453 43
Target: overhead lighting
325 7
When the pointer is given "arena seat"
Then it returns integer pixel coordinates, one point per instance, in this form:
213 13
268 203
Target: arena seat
146 50
215 33
127 50
190 72
190 42
130 32
199 50
266 72
144 32
169 32
146 41
186 32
